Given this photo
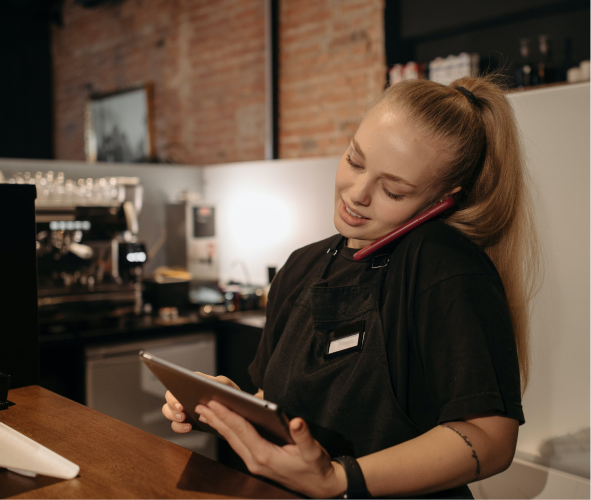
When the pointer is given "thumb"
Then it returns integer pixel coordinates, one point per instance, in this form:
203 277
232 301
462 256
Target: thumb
300 433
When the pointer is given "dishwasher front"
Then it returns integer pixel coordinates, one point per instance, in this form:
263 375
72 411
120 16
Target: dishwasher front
118 384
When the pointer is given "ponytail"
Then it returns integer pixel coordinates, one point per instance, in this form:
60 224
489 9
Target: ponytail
484 157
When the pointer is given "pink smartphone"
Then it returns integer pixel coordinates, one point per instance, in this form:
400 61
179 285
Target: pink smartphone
405 228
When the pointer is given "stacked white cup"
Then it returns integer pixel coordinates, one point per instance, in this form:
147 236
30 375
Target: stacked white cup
579 73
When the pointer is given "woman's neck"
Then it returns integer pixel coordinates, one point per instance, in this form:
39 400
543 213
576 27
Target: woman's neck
357 244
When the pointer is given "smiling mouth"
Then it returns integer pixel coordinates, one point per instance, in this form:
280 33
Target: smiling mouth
353 214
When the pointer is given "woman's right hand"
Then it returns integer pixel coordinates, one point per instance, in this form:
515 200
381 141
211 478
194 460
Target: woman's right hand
175 412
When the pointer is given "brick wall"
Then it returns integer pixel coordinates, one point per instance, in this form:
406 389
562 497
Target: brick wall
332 67
205 60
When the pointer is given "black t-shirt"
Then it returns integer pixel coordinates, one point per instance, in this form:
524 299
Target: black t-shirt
449 339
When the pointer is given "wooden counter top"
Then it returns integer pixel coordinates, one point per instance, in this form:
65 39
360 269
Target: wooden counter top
116 460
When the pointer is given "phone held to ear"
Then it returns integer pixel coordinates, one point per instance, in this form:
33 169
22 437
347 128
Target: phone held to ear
405 228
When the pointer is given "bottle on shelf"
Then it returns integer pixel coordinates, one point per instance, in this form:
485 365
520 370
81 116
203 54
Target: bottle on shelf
435 69
412 71
545 65
409 71
395 74
523 71
446 70
474 65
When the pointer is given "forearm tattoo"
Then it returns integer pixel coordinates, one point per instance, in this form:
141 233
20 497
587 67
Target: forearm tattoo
474 456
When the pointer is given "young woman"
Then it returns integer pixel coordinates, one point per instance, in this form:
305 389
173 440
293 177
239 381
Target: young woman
429 399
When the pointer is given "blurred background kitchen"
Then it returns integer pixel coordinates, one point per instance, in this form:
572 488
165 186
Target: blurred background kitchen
171 145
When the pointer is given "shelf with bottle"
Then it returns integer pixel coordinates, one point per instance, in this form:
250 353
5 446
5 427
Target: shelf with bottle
541 71
531 71
442 70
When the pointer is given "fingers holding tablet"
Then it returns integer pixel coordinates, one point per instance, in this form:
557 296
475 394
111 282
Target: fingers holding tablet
239 433
221 379
174 411
173 402
188 389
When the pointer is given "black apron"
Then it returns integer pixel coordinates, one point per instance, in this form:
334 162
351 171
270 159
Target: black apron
347 400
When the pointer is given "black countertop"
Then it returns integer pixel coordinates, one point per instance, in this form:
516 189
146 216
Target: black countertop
123 323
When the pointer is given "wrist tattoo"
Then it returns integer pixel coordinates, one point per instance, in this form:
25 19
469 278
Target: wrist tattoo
474 456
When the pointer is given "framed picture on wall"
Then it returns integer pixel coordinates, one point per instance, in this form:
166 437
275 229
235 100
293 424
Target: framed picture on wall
119 125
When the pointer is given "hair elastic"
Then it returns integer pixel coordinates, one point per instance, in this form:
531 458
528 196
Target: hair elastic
469 95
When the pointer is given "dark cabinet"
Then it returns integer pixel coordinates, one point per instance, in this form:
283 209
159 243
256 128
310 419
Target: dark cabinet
19 338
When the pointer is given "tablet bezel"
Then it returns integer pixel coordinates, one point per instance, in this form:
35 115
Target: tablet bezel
192 389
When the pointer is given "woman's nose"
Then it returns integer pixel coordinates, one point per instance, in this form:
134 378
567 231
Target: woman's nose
359 192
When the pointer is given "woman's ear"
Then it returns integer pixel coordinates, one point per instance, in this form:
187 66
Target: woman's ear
453 191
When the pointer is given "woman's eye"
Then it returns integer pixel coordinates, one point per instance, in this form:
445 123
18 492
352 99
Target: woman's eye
353 164
396 197
356 166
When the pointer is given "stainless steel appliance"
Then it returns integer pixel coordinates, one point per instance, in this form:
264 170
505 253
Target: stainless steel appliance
118 384
191 243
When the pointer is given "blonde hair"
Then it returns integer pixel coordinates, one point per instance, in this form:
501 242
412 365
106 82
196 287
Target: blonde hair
483 155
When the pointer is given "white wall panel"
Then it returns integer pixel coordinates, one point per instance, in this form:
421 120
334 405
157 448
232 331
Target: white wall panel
265 210
555 127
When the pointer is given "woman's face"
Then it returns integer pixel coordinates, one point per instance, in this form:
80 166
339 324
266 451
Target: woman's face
386 176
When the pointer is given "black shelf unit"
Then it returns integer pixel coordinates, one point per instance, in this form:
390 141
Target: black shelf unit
423 30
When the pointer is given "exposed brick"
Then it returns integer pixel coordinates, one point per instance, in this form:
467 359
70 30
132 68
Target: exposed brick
205 60
195 54
324 92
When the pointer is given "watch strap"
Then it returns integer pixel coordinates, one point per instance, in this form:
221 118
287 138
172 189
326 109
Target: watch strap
356 487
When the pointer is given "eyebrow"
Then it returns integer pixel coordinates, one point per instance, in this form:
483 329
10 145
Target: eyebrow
355 145
395 178
357 148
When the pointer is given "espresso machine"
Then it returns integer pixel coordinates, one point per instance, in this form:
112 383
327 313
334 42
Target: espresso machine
88 255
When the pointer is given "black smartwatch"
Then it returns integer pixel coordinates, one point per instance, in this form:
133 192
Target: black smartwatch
356 487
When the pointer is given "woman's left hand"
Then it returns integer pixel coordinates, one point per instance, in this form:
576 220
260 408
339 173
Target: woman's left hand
304 466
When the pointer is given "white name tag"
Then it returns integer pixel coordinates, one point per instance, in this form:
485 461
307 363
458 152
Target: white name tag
344 339
344 343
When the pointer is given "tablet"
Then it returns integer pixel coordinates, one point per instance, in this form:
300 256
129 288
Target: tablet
192 389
